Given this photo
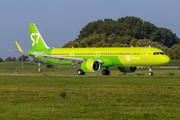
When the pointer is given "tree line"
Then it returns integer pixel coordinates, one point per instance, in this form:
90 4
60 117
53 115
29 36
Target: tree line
126 32
13 59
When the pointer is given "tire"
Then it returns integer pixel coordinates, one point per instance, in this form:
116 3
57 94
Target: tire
151 73
80 72
105 72
83 73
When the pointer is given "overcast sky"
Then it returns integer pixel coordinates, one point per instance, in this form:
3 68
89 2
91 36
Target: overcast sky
60 21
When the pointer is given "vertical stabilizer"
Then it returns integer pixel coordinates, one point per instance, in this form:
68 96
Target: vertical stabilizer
36 38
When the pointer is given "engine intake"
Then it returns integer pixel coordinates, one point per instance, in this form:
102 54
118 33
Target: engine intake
90 66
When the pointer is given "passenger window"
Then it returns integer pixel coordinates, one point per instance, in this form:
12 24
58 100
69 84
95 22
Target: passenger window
157 53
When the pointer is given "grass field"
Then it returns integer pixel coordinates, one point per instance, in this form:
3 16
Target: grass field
55 94
19 64
31 64
73 71
173 63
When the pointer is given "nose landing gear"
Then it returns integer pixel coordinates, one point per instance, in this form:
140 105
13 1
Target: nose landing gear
150 71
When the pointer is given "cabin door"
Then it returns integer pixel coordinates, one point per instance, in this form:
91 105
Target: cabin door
97 54
72 53
145 54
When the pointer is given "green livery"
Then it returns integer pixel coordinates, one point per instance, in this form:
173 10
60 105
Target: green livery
36 38
92 59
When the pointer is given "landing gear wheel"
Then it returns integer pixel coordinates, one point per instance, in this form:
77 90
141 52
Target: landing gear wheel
105 72
83 73
108 72
151 73
80 72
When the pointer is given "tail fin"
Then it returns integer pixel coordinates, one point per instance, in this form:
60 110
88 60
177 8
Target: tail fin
36 38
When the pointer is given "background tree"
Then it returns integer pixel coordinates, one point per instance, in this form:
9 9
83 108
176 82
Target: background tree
8 59
111 39
23 57
130 26
133 42
1 60
175 51
124 32
68 45
13 59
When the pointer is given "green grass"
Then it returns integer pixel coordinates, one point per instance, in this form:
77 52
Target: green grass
55 94
94 97
19 64
173 63
73 71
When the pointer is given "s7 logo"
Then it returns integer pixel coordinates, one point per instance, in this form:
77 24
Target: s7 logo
33 38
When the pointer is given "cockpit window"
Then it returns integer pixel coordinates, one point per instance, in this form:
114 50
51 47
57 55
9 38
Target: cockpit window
161 53
157 53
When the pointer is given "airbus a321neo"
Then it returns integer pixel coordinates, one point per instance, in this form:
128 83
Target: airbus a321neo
92 59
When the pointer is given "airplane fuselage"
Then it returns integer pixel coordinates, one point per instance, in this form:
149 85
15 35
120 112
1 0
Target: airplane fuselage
124 56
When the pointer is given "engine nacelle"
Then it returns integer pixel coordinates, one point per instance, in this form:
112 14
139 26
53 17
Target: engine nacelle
127 69
90 66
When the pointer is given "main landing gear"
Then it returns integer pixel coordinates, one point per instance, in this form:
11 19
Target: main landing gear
106 72
80 72
150 71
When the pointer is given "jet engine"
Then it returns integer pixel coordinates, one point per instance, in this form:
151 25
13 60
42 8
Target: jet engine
127 69
90 66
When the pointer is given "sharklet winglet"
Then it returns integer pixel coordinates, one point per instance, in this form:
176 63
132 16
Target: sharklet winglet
19 48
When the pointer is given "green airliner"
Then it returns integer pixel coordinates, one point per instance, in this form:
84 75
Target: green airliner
92 59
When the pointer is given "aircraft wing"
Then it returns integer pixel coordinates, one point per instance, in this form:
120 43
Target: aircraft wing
60 58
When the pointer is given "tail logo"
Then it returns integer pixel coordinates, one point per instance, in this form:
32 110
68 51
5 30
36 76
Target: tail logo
33 41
